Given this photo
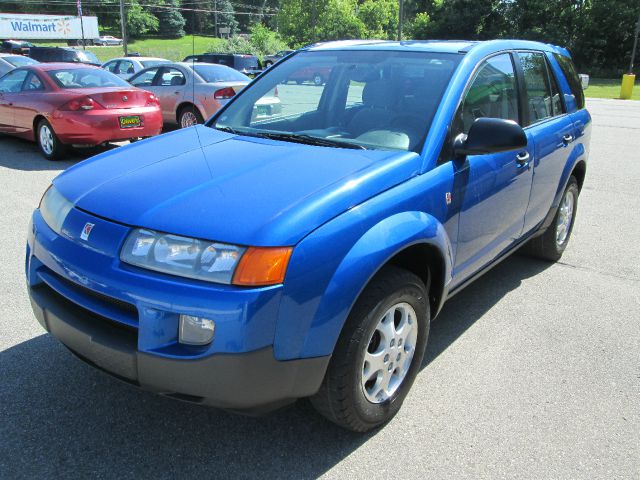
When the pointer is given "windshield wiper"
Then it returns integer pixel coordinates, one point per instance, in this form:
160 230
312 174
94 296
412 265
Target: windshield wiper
309 140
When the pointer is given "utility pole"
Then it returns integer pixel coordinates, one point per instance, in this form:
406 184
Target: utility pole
400 18
215 17
79 4
635 44
123 23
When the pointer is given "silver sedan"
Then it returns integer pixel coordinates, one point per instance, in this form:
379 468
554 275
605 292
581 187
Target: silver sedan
191 92
9 61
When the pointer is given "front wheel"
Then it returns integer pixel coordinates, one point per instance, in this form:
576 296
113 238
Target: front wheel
378 354
551 244
48 142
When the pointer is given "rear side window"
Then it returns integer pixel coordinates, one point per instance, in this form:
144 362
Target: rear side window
569 70
536 83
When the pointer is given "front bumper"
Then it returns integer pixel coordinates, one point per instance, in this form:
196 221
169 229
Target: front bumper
125 322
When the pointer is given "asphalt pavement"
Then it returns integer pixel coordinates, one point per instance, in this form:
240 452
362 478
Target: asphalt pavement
532 372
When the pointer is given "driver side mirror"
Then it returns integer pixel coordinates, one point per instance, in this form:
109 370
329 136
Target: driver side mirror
490 135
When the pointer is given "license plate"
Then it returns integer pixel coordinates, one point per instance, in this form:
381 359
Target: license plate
263 109
130 121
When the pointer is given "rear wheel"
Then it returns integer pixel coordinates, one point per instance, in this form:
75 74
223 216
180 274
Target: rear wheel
48 142
317 79
551 244
189 116
378 354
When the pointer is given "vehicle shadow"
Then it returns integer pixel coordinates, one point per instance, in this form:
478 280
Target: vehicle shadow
20 154
61 418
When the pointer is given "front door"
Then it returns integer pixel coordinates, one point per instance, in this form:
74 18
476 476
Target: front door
10 88
494 189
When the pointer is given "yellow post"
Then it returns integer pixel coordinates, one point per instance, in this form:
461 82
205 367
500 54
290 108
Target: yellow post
626 88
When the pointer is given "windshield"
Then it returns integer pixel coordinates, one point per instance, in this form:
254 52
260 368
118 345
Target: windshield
153 63
20 61
214 73
364 99
87 56
86 78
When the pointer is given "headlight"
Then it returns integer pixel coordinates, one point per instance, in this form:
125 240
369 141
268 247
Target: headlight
186 257
205 260
54 209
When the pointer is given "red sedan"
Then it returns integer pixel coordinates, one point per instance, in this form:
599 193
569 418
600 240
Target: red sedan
61 104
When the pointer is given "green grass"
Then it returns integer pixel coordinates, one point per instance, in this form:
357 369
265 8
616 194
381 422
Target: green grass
171 49
609 88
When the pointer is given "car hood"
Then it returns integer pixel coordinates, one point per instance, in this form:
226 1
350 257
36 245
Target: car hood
208 184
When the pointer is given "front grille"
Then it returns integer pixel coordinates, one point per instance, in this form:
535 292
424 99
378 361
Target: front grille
97 304
114 302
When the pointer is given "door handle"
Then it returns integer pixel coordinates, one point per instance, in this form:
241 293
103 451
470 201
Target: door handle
177 93
567 139
522 159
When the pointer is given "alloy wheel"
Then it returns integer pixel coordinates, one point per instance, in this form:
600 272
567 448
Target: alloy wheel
389 353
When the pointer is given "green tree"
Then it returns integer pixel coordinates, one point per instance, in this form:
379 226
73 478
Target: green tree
266 41
171 21
380 18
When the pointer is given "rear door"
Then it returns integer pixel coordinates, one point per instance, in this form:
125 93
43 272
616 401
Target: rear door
169 87
493 190
10 88
549 127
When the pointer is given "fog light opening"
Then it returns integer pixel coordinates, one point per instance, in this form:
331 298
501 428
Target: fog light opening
196 330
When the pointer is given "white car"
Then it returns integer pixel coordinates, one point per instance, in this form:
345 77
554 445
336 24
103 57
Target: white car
126 67
9 61
107 40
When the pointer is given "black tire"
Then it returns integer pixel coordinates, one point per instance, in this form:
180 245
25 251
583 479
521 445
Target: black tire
268 64
342 397
547 246
53 149
318 79
299 82
189 111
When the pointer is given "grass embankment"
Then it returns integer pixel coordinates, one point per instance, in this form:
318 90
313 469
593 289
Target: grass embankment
171 49
609 88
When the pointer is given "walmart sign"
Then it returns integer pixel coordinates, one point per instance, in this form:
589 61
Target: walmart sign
32 27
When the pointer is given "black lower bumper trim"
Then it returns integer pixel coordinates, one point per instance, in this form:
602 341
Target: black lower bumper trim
249 382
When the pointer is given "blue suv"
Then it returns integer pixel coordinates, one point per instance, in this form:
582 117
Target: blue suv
258 259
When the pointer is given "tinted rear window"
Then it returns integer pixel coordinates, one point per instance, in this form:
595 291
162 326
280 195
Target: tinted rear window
246 62
569 70
86 78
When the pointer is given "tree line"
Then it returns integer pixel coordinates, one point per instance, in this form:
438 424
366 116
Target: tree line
599 33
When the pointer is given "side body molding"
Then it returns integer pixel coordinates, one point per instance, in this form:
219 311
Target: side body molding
339 275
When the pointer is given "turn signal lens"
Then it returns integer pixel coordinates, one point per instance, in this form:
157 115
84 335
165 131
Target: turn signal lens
83 103
152 100
262 266
224 93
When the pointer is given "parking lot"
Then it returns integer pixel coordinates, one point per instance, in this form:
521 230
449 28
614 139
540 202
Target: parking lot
531 372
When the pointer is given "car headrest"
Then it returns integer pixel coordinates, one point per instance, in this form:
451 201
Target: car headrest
378 93
177 80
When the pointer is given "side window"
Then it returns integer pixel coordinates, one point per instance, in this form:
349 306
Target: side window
111 66
125 67
12 82
556 98
492 93
569 70
354 94
536 83
172 77
33 84
145 79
